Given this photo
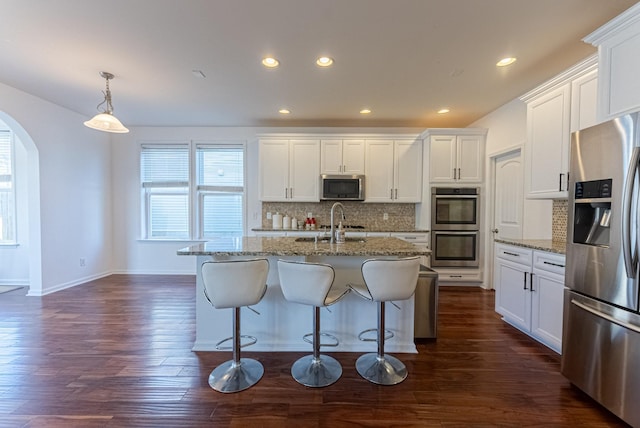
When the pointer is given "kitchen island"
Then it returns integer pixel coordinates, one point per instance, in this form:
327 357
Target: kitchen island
281 324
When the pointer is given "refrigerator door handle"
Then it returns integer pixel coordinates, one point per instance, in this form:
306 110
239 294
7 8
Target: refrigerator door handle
629 262
607 317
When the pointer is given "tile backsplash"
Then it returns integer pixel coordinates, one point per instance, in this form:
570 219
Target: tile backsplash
559 220
400 216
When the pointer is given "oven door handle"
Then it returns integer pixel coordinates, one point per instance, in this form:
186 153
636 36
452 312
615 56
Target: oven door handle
456 196
456 232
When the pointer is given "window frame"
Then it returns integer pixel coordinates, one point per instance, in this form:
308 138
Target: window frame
201 190
195 192
13 240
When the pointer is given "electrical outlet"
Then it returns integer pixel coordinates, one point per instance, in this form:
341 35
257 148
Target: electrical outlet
385 216
82 262
269 215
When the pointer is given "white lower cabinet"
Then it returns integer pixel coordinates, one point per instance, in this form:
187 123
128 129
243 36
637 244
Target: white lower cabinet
529 288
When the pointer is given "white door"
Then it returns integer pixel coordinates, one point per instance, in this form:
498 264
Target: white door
509 201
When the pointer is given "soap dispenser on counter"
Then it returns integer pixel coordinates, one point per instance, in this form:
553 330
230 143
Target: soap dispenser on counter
340 234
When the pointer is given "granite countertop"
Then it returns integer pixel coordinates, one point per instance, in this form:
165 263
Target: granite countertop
287 246
559 247
347 230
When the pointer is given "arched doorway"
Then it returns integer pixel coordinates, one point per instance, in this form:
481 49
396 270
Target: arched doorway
28 252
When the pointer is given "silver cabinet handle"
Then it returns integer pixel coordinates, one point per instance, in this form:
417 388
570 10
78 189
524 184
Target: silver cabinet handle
560 182
454 173
525 280
396 193
391 194
511 254
553 264
459 175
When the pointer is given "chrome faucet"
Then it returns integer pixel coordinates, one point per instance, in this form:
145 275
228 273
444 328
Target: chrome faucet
333 225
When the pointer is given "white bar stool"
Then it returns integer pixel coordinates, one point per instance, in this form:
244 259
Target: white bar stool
312 284
385 280
232 284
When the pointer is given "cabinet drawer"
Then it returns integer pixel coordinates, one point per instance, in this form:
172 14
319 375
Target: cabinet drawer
515 254
474 276
550 262
415 238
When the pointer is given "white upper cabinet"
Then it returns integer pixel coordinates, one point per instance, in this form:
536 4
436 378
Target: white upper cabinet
456 156
618 43
584 101
555 109
393 170
342 156
289 170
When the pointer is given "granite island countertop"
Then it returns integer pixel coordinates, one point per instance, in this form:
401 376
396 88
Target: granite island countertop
347 230
558 247
287 246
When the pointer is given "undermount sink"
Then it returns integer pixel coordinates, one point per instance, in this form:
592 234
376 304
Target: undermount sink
325 240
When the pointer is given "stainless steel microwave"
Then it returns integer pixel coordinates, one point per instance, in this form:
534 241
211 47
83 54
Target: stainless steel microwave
342 187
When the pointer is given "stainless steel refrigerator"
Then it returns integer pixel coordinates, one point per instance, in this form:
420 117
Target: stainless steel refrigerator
601 330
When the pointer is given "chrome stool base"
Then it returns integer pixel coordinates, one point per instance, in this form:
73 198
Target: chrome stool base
386 370
316 372
234 377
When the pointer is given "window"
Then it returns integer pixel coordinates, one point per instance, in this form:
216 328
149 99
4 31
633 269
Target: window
164 174
7 189
209 205
220 190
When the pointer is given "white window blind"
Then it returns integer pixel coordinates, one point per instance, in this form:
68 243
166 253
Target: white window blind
220 189
164 174
7 189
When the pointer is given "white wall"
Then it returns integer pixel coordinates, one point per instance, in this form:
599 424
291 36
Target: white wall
69 191
507 128
133 255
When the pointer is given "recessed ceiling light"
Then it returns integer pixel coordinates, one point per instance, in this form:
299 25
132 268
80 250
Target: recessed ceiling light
365 111
506 61
443 110
284 111
324 61
270 62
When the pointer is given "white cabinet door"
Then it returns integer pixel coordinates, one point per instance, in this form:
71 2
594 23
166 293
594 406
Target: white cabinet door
407 172
513 298
618 43
379 171
442 155
342 156
304 170
289 170
331 156
547 154
456 158
547 308
274 170
469 158
584 101
393 170
353 156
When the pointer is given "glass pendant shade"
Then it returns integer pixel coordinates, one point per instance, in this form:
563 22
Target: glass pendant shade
106 122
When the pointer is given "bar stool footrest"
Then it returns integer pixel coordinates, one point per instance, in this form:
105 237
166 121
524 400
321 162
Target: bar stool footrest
335 342
252 341
388 334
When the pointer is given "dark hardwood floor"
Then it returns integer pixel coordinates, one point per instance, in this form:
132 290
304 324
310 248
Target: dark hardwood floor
116 352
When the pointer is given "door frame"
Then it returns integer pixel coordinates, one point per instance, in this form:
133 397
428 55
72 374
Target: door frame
490 206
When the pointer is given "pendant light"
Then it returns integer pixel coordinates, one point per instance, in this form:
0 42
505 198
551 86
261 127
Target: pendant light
106 121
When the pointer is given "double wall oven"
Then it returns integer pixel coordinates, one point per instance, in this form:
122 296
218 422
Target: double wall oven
455 226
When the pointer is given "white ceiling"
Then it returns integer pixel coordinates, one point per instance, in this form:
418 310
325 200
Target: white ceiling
404 59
